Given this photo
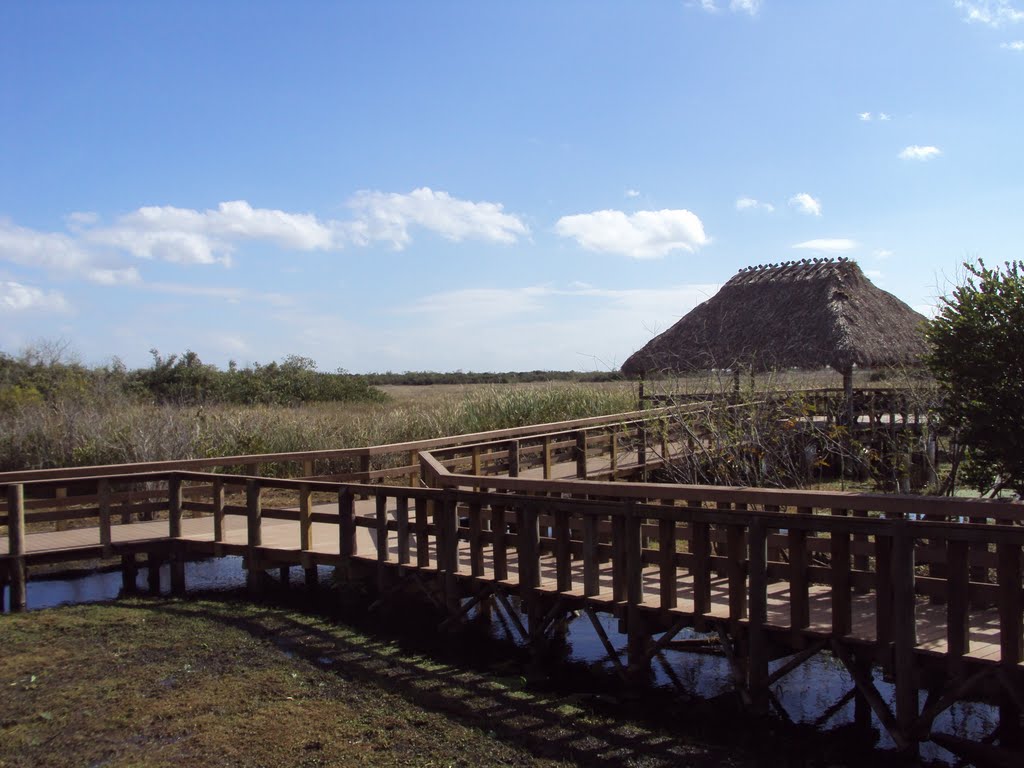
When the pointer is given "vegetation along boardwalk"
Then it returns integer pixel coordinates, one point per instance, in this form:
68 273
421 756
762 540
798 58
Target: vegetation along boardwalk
552 522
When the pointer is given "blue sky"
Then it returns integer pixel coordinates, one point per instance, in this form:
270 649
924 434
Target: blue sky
483 186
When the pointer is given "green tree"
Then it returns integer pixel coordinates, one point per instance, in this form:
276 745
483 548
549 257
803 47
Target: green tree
977 357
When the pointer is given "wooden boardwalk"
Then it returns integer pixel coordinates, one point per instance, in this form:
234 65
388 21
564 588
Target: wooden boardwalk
930 589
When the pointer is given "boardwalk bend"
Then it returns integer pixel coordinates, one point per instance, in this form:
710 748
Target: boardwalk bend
553 521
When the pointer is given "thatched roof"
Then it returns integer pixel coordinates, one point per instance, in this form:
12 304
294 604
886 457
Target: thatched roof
806 314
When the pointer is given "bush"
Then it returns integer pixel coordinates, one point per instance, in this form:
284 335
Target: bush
977 357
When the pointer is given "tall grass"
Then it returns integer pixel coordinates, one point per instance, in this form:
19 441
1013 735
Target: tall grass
73 432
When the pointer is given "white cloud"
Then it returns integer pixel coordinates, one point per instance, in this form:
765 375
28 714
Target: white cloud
750 204
915 152
642 235
187 236
58 253
745 6
993 13
750 7
864 116
632 193
804 203
1016 45
828 245
15 297
882 254
388 216
884 117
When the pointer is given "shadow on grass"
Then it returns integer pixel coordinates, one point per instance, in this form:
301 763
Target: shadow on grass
570 728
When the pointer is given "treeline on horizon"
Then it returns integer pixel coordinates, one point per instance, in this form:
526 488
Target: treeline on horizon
46 373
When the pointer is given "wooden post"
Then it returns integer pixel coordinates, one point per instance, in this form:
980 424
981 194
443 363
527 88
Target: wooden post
413 475
218 515
422 534
700 548
904 626
513 458
547 457
103 493
177 569
16 545
476 539
346 523
957 602
757 673
499 543
563 551
591 559
129 574
667 563
305 522
308 468
1011 639
799 600
581 454
254 529
174 501
402 516
839 548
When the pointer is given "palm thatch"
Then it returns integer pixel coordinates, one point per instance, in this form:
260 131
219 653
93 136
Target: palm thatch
806 314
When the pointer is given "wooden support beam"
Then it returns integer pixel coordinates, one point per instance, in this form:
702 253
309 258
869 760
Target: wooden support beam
668 589
254 530
757 640
16 546
591 556
904 625
305 522
423 515
581 454
174 504
347 546
839 549
103 492
958 636
476 539
799 599
499 542
217 493
402 517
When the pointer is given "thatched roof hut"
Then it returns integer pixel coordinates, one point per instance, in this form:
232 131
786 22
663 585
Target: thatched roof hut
807 314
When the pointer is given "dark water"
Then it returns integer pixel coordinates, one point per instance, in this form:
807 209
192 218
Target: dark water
805 693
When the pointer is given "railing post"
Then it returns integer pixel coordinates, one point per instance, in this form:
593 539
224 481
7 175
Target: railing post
174 503
757 675
904 626
16 544
218 515
513 458
254 518
103 494
413 475
305 523
581 454
346 524
547 457
1011 640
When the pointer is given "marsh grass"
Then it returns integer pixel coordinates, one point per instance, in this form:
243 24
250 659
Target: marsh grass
74 432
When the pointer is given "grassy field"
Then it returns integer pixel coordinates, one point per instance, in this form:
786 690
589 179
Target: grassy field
80 433
211 683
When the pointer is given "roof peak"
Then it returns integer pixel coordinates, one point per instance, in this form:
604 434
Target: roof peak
804 269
